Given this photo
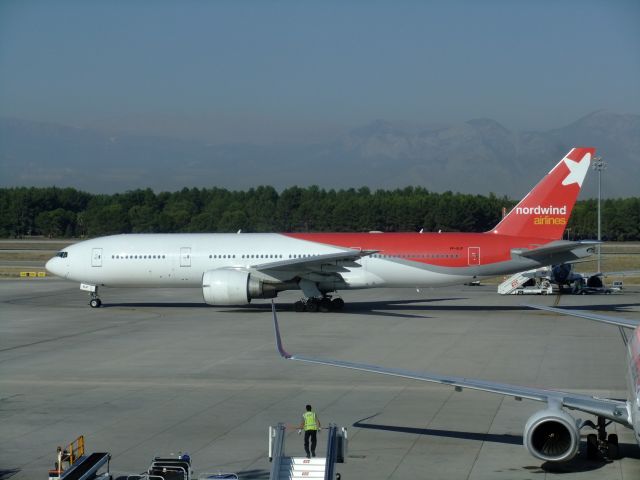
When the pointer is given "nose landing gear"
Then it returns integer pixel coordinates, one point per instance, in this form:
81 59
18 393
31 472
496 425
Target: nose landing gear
94 299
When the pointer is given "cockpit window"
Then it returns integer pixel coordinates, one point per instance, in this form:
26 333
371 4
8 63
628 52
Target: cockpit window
62 254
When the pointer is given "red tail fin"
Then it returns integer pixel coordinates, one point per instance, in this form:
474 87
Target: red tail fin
544 212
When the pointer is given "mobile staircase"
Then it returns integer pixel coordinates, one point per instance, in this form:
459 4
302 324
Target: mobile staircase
516 281
286 468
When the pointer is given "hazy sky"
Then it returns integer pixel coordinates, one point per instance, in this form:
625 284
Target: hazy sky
277 71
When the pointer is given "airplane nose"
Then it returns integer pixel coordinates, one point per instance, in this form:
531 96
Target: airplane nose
53 266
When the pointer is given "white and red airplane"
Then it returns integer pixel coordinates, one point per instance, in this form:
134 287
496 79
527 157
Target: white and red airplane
232 269
551 434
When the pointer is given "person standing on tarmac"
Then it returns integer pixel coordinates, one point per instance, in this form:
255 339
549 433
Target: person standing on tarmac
311 424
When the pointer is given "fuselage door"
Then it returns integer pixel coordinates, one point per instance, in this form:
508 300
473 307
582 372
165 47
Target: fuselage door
96 257
185 257
474 255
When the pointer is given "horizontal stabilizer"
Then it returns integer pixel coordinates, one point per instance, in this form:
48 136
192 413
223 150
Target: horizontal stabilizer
547 252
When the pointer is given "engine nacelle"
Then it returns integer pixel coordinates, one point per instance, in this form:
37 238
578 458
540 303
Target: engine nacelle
562 273
552 435
227 286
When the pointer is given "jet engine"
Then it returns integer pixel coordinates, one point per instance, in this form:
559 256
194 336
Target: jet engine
552 435
562 273
227 286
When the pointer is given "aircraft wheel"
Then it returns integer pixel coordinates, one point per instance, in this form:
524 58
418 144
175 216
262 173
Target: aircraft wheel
298 306
592 446
312 305
325 304
337 304
613 451
95 303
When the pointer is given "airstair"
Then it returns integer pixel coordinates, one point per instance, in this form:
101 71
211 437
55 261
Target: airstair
284 467
515 281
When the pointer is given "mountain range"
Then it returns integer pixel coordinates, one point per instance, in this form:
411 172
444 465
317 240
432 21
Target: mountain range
477 156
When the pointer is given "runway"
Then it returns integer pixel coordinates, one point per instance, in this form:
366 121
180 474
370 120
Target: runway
157 371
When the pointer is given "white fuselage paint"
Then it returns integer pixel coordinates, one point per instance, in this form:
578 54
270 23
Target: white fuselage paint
180 260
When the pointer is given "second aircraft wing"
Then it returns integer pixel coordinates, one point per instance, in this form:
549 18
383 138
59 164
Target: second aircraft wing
612 409
619 322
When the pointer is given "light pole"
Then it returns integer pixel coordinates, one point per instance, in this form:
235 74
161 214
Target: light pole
599 165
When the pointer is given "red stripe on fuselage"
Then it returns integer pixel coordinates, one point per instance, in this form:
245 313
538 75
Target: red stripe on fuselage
441 249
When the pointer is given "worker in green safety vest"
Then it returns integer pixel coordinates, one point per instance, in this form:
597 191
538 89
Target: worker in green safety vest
311 424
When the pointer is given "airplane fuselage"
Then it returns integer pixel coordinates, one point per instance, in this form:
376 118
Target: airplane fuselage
400 259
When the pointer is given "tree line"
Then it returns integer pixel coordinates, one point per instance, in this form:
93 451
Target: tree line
67 212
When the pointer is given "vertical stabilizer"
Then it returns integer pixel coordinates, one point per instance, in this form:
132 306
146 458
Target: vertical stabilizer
544 212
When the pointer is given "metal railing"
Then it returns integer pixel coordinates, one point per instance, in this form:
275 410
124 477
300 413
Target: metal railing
332 452
276 448
336 449
159 466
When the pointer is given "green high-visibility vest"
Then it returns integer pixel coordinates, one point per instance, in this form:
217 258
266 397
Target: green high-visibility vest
310 422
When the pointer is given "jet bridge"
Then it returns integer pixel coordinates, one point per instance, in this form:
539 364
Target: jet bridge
284 467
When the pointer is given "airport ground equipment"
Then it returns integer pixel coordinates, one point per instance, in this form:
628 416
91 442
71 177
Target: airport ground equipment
170 468
617 286
72 463
177 467
284 467
543 288
515 281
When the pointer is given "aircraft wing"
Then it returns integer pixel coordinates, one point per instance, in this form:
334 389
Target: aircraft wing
612 409
553 249
618 322
314 263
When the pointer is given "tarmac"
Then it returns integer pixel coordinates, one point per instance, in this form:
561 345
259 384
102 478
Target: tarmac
157 371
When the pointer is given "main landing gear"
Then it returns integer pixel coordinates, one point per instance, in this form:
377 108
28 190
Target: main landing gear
318 304
600 444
